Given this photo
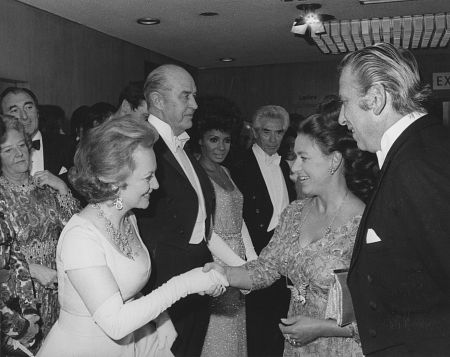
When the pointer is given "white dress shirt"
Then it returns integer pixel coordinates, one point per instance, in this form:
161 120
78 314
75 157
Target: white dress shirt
274 179
175 145
392 134
37 156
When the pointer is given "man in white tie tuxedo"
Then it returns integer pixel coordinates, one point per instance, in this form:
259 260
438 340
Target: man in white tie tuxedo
399 275
177 222
52 152
264 182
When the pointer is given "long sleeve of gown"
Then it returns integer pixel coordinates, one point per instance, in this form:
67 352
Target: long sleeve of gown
271 263
68 206
16 289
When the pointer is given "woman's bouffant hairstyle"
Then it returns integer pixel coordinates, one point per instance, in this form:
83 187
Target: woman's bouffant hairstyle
8 123
104 158
11 123
330 136
215 113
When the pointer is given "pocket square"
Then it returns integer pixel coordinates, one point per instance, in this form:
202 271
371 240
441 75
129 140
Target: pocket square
372 237
63 170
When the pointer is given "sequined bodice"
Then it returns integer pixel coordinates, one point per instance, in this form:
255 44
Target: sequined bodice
228 219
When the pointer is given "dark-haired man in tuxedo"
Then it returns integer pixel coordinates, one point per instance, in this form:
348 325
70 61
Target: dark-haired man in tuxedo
263 179
52 152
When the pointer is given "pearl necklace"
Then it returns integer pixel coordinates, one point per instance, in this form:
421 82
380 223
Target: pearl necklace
121 241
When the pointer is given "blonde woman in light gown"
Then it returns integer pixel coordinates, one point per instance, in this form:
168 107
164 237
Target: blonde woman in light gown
101 261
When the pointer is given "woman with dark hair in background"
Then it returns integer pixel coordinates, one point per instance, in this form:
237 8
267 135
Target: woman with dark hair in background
37 207
230 242
314 237
102 262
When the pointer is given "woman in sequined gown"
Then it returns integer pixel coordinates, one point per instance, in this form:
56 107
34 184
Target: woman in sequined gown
37 207
314 237
230 242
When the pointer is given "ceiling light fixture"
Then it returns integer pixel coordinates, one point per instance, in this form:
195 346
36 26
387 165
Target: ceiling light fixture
371 2
310 22
227 59
148 21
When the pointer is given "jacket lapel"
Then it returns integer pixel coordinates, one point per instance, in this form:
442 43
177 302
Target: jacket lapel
418 125
163 150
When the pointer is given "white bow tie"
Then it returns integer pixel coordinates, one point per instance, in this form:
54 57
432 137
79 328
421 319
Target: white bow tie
272 160
180 140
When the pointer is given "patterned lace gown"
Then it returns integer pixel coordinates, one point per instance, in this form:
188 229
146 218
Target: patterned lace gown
226 335
310 270
37 216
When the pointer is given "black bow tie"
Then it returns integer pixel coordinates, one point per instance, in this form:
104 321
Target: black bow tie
36 144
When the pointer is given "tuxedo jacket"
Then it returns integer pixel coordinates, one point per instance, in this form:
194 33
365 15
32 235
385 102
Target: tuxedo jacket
258 208
400 282
167 224
58 152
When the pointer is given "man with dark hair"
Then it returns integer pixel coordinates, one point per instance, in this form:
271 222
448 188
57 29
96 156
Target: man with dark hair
177 223
399 276
132 101
52 152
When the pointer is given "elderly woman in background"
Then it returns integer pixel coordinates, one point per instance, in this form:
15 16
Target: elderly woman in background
101 259
37 208
19 315
314 237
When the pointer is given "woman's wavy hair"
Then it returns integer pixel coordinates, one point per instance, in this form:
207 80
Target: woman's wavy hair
8 123
359 166
104 158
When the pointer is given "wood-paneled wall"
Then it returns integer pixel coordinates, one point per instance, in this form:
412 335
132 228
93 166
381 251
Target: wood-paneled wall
297 87
66 64
69 65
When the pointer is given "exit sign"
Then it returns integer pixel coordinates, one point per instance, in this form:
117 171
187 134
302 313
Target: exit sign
441 80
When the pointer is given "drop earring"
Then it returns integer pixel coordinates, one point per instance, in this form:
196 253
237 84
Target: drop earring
118 203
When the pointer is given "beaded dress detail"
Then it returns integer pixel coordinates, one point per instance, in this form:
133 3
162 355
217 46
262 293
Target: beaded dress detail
38 216
311 271
226 335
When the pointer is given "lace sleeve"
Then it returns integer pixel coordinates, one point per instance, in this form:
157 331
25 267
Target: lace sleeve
269 266
68 206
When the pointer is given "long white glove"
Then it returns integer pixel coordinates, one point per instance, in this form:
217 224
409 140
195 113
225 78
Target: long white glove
250 252
221 250
118 319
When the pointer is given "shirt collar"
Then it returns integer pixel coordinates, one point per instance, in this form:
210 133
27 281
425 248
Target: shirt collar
262 156
165 131
392 134
37 136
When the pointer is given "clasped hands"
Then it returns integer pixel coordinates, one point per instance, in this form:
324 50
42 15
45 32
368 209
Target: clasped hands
219 273
300 330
